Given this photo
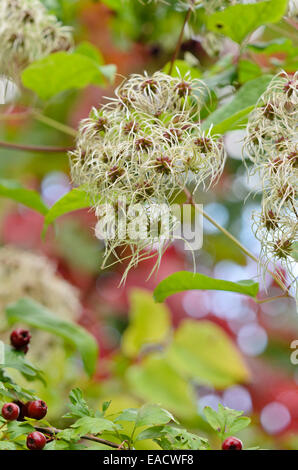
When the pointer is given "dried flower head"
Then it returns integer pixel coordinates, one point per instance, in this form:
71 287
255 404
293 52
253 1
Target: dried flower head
26 274
272 145
144 144
27 33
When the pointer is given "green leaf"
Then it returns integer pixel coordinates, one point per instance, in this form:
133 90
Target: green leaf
89 50
157 381
248 70
6 445
16 429
226 421
173 438
78 407
63 71
185 280
238 21
150 415
147 415
213 418
74 200
27 197
234 114
34 314
92 425
239 424
149 323
16 360
205 353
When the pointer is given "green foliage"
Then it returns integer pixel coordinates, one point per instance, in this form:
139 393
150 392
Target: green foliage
185 280
173 438
16 360
63 71
150 422
34 314
29 198
156 380
203 352
147 415
225 421
234 114
149 323
238 21
74 200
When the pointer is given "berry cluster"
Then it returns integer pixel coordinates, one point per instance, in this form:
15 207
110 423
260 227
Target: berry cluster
144 145
272 146
28 32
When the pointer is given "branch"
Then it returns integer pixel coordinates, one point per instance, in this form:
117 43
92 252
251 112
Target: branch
34 148
54 431
179 42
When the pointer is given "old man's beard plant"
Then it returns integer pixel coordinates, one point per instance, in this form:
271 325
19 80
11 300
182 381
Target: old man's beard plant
272 146
139 150
28 33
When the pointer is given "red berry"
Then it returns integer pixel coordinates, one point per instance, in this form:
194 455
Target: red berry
36 440
20 339
10 411
36 409
231 443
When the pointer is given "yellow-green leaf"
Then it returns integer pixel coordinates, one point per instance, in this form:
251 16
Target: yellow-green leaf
157 381
204 352
149 323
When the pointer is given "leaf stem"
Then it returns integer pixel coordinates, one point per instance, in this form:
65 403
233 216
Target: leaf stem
234 240
179 42
53 123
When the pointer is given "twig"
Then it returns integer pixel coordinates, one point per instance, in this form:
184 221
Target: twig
54 431
179 42
34 148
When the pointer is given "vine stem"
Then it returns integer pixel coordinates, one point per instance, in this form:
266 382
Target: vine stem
34 148
179 42
234 240
87 437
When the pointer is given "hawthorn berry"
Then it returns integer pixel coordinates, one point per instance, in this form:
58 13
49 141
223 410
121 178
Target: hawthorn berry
232 443
36 409
10 411
20 338
36 440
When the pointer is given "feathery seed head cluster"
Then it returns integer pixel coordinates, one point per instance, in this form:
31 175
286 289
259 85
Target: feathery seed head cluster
28 33
272 145
144 144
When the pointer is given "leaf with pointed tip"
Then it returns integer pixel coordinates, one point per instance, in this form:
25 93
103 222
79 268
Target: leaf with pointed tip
29 198
185 280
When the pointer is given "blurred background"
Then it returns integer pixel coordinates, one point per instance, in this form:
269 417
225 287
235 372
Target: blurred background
137 38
